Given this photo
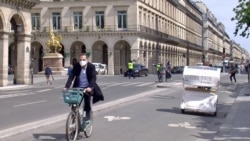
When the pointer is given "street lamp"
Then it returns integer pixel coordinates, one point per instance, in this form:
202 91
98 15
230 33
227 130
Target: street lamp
31 64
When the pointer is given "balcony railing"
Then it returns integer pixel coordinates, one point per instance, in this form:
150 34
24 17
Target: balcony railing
114 28
109 28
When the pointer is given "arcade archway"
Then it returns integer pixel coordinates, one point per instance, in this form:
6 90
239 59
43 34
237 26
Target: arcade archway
122 55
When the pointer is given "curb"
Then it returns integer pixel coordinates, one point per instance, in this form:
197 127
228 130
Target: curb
37 81
13 87
41 123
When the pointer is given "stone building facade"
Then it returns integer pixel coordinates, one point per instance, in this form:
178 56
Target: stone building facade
146 32
112 33
15 39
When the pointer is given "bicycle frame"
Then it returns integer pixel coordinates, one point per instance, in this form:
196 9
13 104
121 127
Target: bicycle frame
75 122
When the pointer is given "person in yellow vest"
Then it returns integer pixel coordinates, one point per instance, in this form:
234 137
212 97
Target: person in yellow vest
130 69
158 70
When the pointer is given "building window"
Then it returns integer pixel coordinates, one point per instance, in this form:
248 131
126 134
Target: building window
122 19
99 19
56 21
35 21
77 20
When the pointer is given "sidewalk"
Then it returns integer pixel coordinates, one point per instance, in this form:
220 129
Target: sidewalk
36 80
237 125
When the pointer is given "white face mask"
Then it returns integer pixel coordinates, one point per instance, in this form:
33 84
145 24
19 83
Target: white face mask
83 63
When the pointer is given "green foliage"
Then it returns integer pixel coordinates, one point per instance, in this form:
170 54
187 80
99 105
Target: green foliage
242 18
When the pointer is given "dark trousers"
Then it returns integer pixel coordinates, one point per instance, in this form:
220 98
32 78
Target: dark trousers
233 76
87 104
130 73
167 75
159 75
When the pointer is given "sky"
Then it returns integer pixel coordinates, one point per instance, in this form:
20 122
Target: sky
223 11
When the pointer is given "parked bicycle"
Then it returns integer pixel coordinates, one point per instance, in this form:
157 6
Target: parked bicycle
76 121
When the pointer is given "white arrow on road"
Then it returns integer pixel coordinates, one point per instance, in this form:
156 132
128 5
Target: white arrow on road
111 118
184 125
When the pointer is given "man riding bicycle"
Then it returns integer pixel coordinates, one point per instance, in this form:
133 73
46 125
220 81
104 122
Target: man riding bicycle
84 76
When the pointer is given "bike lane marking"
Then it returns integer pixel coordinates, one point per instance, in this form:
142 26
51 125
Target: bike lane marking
42 101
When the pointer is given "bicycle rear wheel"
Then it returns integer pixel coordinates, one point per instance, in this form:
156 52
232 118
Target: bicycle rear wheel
72 126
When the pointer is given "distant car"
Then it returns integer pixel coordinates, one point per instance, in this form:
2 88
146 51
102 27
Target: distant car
177 69
221 67
199 64
11 70
139 70
103 69
97 67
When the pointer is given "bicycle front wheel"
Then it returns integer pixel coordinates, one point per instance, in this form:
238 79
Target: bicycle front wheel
72 126
88 129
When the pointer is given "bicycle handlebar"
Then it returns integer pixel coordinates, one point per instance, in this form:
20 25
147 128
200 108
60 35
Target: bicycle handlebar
79 89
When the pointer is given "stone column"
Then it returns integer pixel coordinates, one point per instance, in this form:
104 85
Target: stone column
135 53
22 71
4 49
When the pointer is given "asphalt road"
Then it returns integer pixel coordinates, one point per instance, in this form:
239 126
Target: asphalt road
152 117
41 101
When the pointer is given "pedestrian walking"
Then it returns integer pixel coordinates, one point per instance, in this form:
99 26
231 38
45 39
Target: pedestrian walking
70 68
246 67
48 73
233 71
168 74
130 69
242 67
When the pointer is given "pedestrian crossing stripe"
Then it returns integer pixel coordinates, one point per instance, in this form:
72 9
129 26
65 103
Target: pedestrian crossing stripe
115 84
137 84
145 84
104 83
131 84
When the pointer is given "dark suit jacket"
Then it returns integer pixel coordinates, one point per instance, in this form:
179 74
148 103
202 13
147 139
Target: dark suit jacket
91 76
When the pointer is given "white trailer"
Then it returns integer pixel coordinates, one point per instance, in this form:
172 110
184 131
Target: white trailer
200 85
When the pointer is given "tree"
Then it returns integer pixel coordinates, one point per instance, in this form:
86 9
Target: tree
242 18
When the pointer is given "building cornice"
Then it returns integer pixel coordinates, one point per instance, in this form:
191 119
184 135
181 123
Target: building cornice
27 4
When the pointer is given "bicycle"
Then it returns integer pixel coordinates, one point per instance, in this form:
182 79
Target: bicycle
76 122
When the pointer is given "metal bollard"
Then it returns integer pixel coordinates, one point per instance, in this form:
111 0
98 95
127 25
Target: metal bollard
248 76
248 67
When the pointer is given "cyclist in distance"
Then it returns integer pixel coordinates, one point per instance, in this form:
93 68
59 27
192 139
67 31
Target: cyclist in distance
84 76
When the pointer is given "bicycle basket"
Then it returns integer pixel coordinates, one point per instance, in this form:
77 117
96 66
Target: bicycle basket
72 96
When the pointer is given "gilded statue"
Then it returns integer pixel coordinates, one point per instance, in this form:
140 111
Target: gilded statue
54 43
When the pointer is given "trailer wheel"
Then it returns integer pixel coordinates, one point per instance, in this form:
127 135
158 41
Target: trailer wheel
182 111
215 114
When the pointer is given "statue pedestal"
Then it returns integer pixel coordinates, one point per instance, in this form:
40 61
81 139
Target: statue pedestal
54 61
